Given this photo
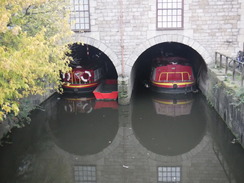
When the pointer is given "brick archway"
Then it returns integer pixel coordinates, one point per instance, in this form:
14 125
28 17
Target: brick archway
99 45
195 45
128 76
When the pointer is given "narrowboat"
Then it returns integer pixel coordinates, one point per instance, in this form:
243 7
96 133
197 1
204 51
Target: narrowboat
82 79
172 75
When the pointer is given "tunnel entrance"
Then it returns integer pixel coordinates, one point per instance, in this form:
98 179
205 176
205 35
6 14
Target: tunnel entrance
90 68
83 54
143 65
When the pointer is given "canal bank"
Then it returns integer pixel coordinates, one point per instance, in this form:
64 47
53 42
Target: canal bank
31 102
226 96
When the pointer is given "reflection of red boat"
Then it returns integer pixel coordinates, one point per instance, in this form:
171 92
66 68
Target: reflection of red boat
82 79
175 105
106 104
79 104
172 75
85 104
107 90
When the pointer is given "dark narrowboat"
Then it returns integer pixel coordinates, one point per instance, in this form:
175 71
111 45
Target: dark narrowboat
82 79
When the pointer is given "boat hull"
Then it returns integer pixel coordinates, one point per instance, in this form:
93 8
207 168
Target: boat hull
107 90
177 88
80 88
82 79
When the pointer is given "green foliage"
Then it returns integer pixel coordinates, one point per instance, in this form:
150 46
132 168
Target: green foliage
218 85
31 50
239 96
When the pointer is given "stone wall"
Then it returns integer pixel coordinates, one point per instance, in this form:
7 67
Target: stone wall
33 101
221 94
123 30
215 25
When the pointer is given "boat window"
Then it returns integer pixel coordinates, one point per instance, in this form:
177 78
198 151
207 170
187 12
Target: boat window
163 77
186 76
174 76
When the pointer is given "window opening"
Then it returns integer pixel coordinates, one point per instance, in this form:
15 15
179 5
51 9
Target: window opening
80 15
169 14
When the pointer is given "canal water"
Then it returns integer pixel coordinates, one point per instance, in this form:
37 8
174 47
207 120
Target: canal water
157 138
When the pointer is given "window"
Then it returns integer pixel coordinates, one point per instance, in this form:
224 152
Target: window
169 174
169 14
85 174
80 15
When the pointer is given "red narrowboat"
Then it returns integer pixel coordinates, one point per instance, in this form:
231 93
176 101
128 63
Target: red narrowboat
172 75
82 79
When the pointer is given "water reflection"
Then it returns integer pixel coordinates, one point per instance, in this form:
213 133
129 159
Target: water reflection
83 125
169 174
77 104
173 105
79 139
176 128
85 173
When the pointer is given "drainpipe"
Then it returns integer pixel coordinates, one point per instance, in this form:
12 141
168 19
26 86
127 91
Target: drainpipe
121 29
123 83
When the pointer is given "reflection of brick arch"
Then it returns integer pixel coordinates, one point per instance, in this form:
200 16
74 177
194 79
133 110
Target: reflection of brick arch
76 159
101 46
178 158
166 38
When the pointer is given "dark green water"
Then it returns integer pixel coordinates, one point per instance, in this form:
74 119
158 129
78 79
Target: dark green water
157 138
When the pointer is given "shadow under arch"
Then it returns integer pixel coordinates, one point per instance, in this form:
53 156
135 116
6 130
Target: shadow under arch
138 59
91 134
169 138
195 45
99 45
177 38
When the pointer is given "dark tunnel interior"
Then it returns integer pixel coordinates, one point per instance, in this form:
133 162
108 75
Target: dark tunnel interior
85 54
142 67
141 70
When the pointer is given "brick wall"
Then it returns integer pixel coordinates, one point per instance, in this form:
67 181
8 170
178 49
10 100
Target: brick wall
215 25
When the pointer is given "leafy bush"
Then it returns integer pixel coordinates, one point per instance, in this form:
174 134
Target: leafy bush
31 49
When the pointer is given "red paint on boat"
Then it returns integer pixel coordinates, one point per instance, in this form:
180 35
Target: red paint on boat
107 90
172 75
81 80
